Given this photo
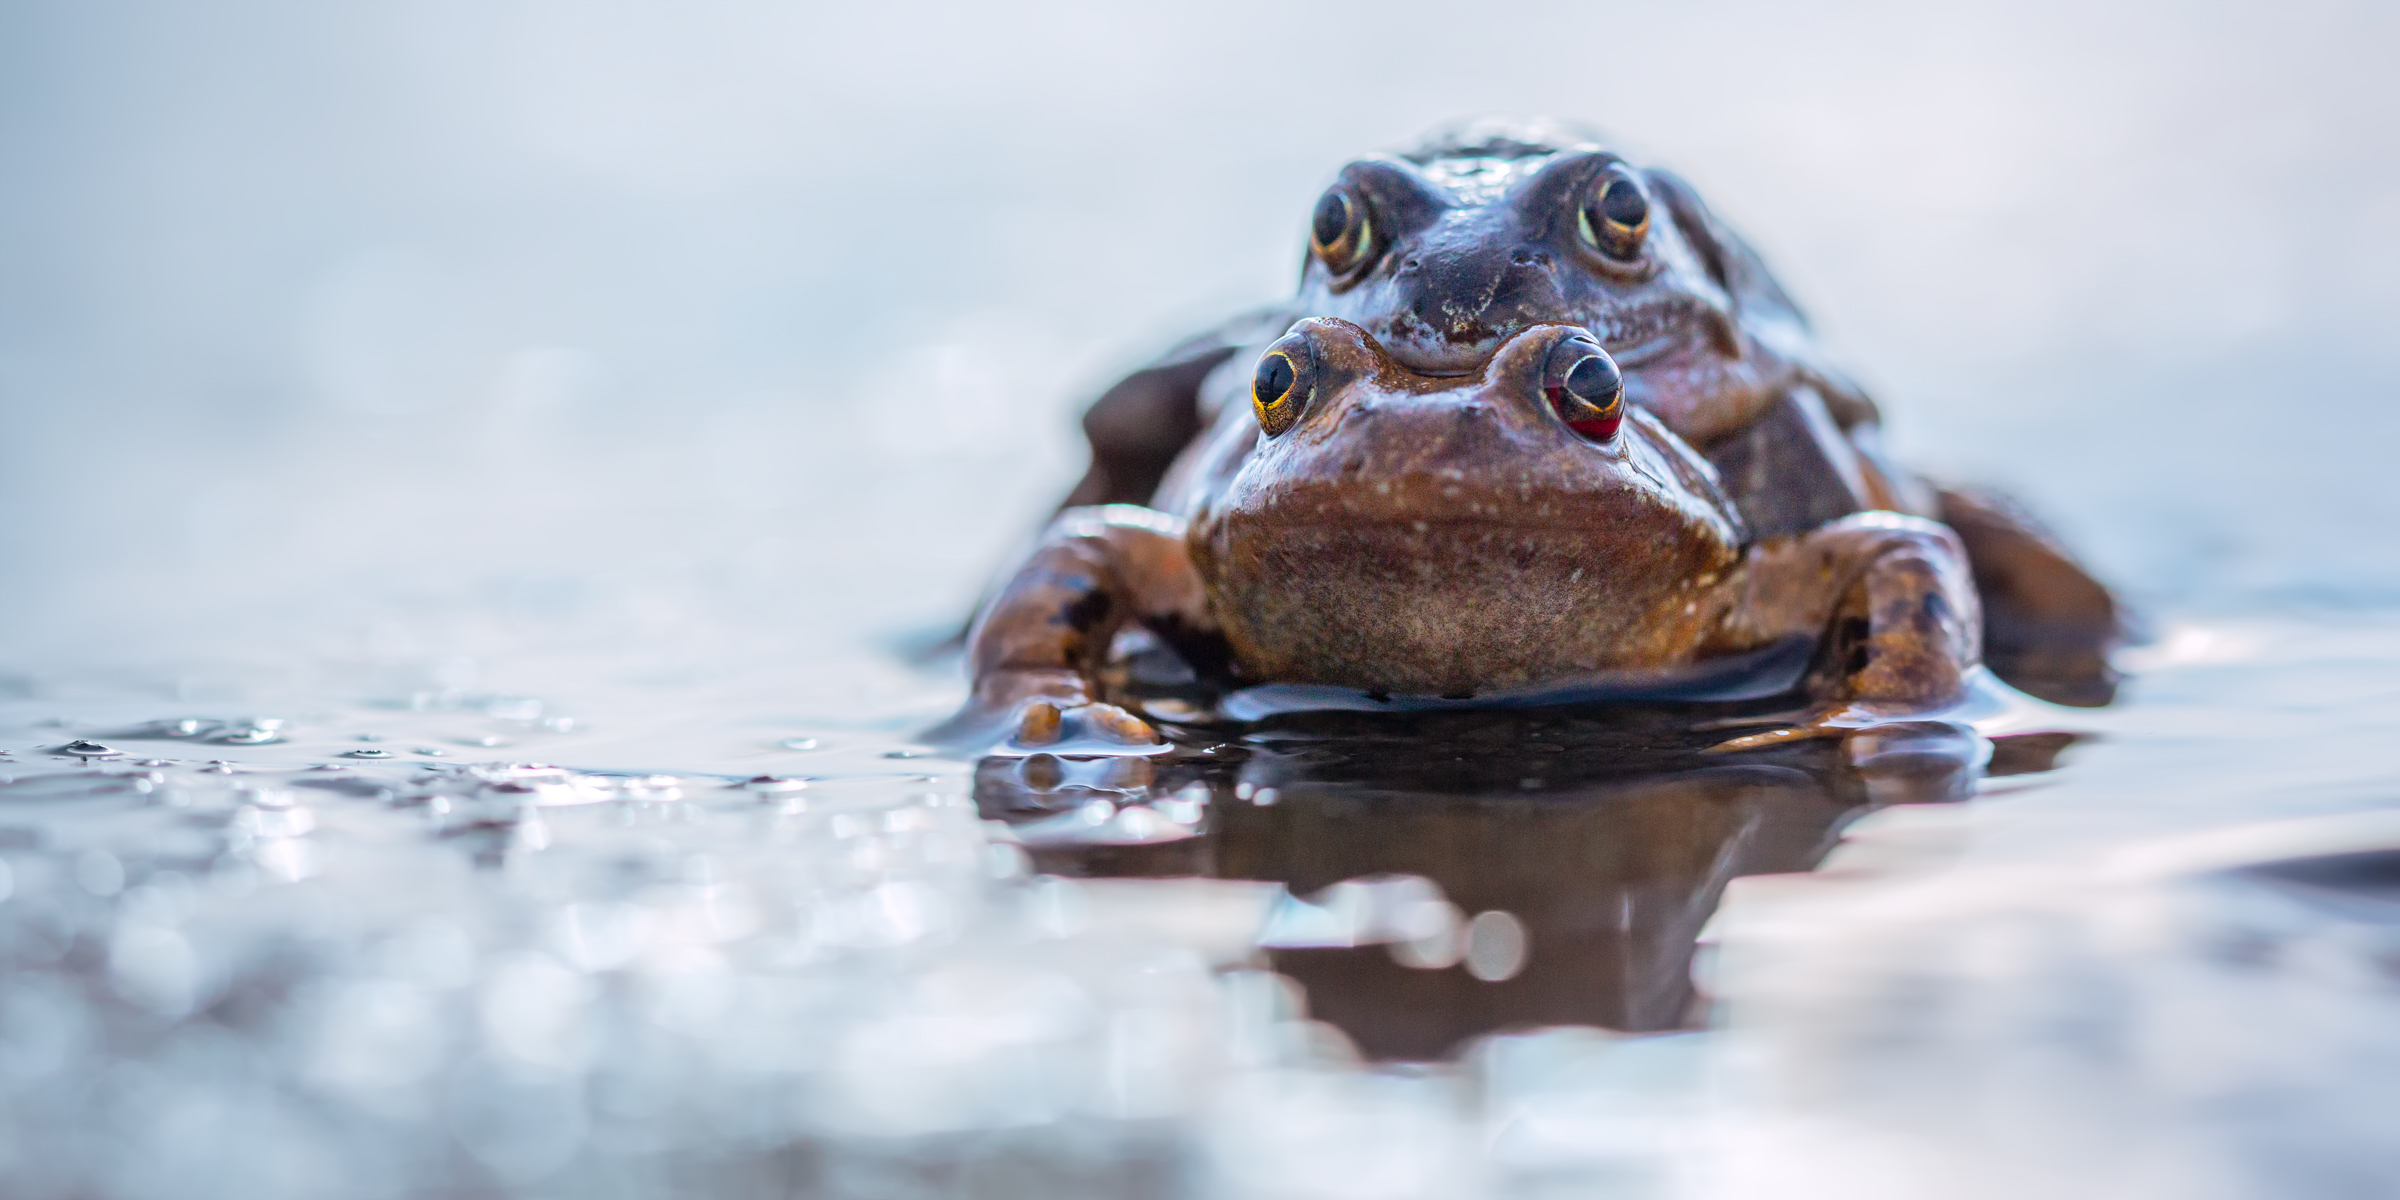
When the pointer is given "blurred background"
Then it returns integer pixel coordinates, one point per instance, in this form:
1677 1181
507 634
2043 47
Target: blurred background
485 329
629 386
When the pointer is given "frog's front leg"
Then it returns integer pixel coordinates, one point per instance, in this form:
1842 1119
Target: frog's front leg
1893 596
1036 648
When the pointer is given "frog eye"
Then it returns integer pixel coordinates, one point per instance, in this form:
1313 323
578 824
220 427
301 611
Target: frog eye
1339 232
1583 384
1281 387
1615 215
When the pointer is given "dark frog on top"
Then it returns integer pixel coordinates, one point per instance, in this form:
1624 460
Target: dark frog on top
1444 253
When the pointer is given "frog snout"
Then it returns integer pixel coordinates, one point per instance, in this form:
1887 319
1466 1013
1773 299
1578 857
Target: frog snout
1458 303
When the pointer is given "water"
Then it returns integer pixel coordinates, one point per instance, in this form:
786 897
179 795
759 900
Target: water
568 424
703 962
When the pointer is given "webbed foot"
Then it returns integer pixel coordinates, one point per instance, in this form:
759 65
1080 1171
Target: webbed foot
1024 712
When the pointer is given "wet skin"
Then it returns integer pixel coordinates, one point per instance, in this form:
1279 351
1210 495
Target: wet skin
1445 252
1370 526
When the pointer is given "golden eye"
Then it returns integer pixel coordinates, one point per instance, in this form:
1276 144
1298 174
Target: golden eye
1339 232
1276 391
1615 215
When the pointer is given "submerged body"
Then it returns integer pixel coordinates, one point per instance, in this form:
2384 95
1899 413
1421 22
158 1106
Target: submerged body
1398 532
1444 253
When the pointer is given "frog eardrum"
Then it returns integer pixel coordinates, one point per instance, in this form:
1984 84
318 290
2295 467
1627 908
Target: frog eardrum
1340 232
1286 378
1615 215
1584 386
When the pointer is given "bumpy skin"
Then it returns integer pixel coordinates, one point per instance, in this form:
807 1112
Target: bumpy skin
1415 534
1484 232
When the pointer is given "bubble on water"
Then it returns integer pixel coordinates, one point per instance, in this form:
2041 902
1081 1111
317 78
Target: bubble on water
524 1125
373 1035
370 737
600 936
252 731
432 752
154 966
533 1010
87 749
99 872
908 752
44 1025
798 743
1497 946
369 753
276 820
1434 935
285 860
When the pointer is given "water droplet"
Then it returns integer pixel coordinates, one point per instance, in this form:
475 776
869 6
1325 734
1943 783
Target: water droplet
87 749
370 737
373 753
798 743
907 752
189 727
431 752
247 736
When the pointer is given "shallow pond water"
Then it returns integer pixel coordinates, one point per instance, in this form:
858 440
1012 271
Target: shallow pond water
650 938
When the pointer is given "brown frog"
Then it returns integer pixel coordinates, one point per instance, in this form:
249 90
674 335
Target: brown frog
1383 529
1444 252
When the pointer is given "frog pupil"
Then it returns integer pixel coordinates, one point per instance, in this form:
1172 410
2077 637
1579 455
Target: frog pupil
1274 380
1623 204
1332 218
1595 381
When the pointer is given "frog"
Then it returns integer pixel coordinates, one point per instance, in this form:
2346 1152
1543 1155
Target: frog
1445 250
1380 528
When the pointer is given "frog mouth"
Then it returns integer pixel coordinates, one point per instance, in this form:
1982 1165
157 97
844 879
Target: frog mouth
1438 365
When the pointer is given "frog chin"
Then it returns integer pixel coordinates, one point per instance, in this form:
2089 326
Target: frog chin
1456 606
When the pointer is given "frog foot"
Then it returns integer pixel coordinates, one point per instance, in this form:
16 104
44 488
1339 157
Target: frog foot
1901 758
1047 722
1826 721
1028 712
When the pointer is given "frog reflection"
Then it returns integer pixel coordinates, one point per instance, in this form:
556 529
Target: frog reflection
1603 836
